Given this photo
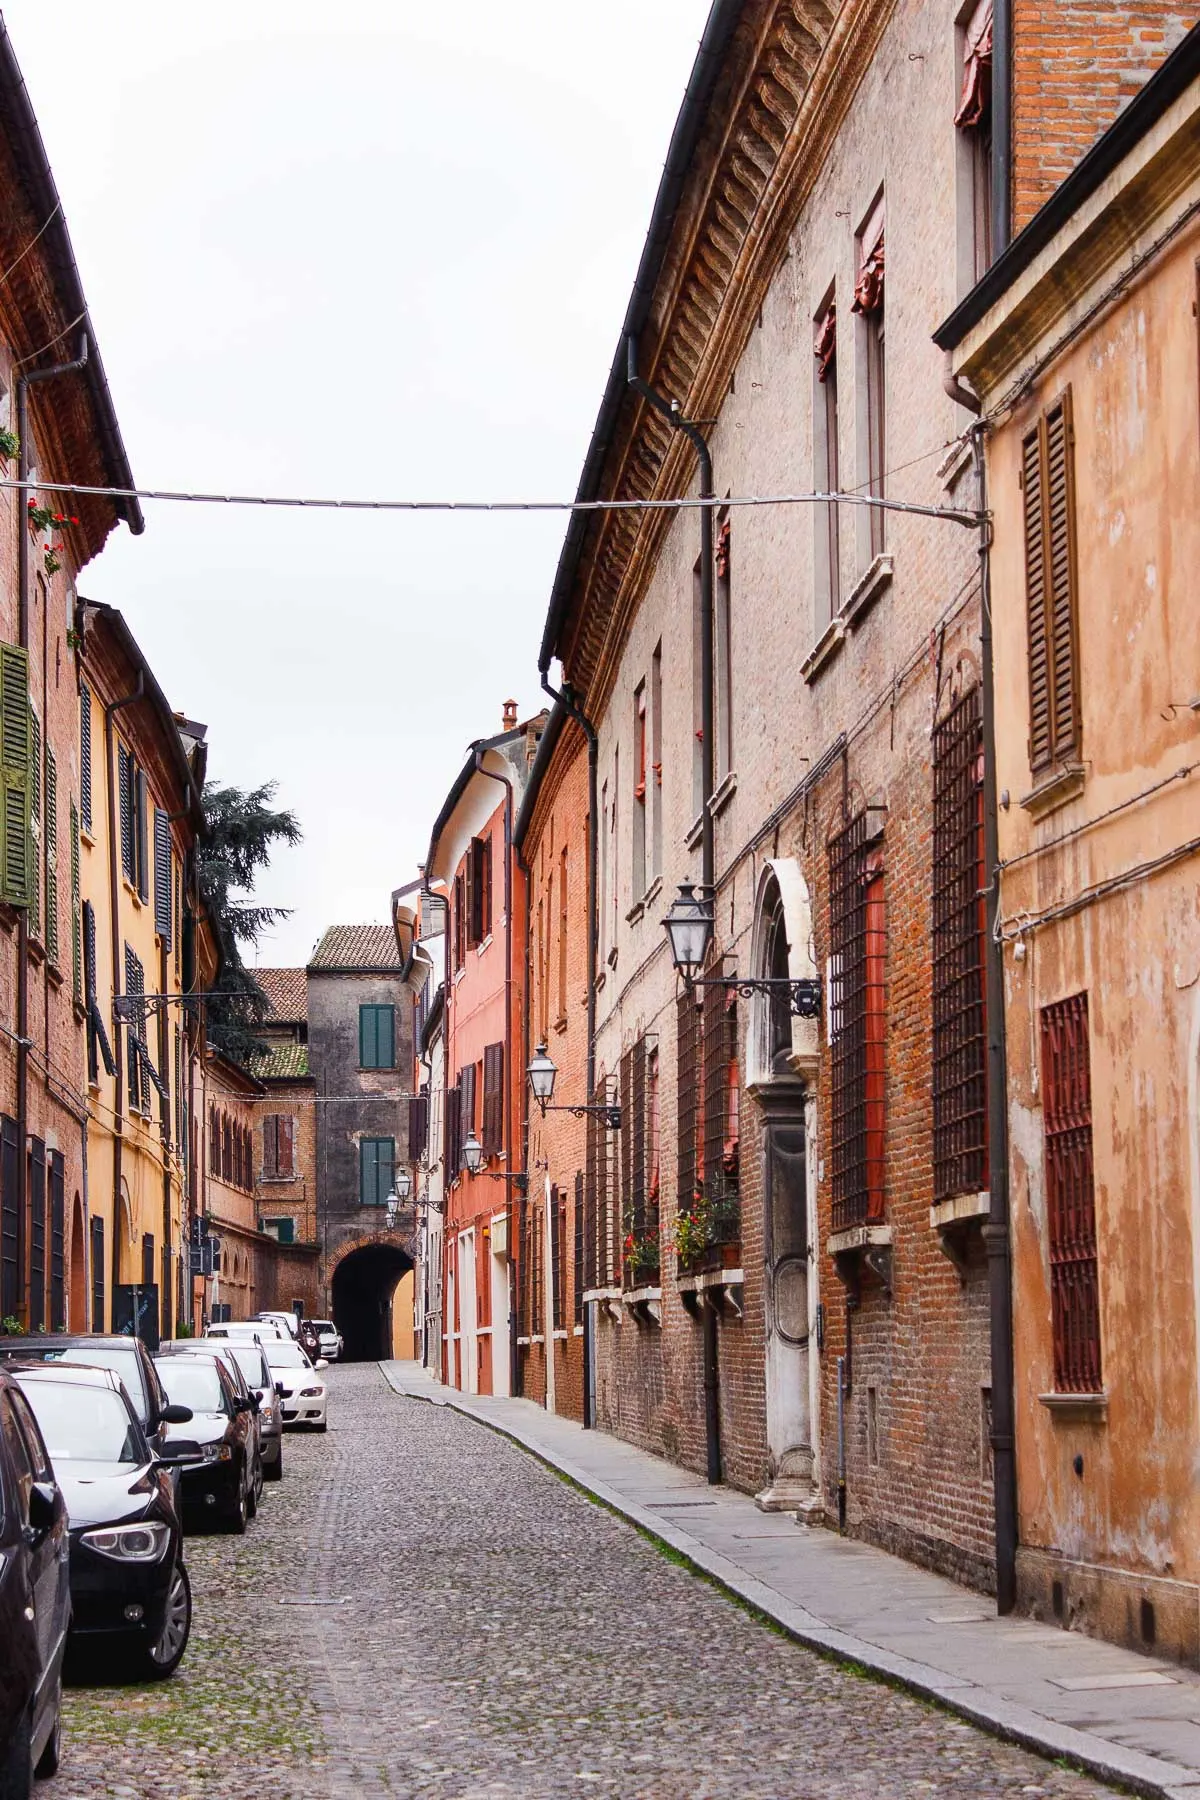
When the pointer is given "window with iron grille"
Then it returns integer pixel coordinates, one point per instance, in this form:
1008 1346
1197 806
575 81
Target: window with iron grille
603 1223
1070 1196
580 1240
56 1173
857 1024
959 1033
558 1251
640 1252
97 1274
688 1097
524 1286
37 1235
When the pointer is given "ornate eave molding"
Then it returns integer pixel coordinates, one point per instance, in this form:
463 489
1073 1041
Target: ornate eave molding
732 232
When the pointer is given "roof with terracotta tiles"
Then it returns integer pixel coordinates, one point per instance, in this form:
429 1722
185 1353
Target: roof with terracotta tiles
282 1062
367 949
287 993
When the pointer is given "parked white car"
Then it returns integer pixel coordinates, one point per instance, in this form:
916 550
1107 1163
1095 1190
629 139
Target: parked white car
263 1329
286 1320
304 1392
332 1341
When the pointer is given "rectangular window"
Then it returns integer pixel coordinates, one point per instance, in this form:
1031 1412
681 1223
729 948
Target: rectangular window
376 1168
1070 1196
418 1126
722 1099
279 1147
857 1024
959 1034
656 753
826 479
162 876
604 837
137 1088
974 122
479 891
562 936
868 303
10 1219
697 696
85 756
558 1256
453 1132
603 1224
142 801
1048 479
36 831
97 1274
37 1235
460 921
578 1221
492 1137
722 655
467 1087
613 854
76 914
640 791
376 1037
56 1174
688 1097
17 772
51 853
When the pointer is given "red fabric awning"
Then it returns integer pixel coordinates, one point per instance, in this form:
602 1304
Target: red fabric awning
976 98
868 289
825 348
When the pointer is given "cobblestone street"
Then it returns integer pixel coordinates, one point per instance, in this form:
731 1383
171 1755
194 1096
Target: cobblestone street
421 1609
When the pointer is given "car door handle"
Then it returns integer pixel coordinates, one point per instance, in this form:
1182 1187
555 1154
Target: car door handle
29 1614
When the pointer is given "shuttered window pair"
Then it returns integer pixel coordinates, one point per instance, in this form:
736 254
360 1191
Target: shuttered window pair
279 1147
376 1168
376 1037
1048 481
132 806
492 1137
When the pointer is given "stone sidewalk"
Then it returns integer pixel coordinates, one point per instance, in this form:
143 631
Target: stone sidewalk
1126 1717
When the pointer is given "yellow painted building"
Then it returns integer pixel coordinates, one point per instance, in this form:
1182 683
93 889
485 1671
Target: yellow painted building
142 772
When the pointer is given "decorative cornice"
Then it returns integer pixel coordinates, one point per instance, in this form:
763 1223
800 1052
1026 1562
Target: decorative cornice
790 90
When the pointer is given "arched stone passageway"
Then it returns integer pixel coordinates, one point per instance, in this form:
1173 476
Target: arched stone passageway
363 1285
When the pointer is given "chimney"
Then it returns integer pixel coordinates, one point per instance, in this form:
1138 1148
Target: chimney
510 715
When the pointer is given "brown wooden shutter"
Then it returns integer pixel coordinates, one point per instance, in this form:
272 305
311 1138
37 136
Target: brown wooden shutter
493 1099
453 1133
1040 738
270 1145
1048 479
287 1145
466 1082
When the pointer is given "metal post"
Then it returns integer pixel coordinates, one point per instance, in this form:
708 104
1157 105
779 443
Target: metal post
841 1409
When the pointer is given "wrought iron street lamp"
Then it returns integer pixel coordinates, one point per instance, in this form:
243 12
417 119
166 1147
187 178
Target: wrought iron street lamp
472 1156
689 928
542 1075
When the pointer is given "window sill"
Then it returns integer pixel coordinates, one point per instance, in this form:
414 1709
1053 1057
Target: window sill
635 912
87 837
54 975
858 1237
958 1208
653 891
1054 790
599 981
723 794
560 1024
132 892
560 1336
482 945
692 840
611 958
824 650
1071 1408
278 1180
958 458
873 585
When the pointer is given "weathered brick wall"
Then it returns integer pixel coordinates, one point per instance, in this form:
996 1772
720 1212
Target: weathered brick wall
1076 64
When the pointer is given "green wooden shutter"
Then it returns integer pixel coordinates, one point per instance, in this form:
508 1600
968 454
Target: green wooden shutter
85 756
51 827
366 1037
368 1172
387 1168
35 825
141 842
386 1037
125 783
15 720
76 914
162 876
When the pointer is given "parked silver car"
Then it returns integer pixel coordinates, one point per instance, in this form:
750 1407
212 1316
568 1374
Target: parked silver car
331 1340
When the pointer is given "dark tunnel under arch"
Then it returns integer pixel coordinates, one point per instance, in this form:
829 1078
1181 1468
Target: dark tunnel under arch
362 1290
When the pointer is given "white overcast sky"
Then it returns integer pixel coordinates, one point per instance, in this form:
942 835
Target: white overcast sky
382 249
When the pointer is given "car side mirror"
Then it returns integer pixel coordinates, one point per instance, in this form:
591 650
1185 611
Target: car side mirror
322 1362
241 1404
175 1414
42 1498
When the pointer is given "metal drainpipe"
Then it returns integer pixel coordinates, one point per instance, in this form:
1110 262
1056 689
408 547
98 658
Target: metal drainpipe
114 899
506 782
566 701
24 1042
670 411
996 1231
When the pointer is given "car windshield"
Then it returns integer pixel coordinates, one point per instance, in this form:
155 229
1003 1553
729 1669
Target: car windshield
190 1382
249 1359
85 1424
283 1354
103 1356
325 1326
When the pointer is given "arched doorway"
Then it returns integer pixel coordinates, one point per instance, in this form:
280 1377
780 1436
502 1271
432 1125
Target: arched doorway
77 1311
362 1289
782 1069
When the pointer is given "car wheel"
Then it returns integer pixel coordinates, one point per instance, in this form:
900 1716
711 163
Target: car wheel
235 1518
163 1657
16 1763
252 1501
274 1471
47 1762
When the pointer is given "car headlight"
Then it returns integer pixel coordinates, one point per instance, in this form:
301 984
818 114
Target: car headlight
311 1393
216 1453
129 1543
266 1411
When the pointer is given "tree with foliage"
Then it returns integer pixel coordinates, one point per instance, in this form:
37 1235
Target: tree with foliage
240 830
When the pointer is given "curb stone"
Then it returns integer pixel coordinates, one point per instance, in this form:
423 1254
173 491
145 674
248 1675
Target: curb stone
1133 1770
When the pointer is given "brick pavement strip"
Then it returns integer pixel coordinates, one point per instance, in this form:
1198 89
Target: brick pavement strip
486 1632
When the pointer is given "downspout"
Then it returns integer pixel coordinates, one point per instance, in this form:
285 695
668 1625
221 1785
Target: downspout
509 1072
567 702
996 1230
670 410
1002 125
114 900
24 1043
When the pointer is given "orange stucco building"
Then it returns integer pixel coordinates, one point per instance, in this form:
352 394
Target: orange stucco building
1083 348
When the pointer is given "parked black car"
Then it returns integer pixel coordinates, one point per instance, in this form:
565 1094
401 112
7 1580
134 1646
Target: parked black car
217 1459
35 1598
245 1392
127 1357
249 1357
129 1587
